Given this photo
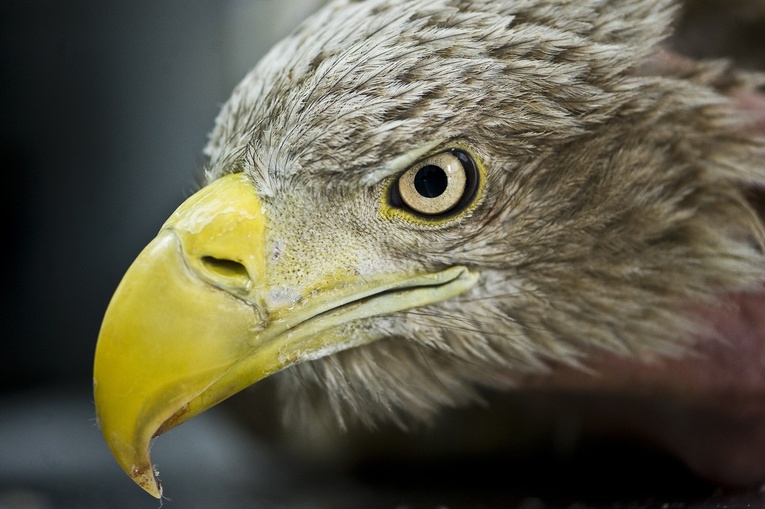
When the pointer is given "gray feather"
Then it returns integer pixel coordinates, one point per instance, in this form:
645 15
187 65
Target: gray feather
614 196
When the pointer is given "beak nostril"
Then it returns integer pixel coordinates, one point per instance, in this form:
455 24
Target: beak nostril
225 268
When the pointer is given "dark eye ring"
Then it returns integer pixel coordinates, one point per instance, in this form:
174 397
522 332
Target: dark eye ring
438 186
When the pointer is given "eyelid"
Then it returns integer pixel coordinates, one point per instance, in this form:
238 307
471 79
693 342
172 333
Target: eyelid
400 163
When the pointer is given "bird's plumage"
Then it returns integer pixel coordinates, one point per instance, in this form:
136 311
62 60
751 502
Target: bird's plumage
614 196
604 225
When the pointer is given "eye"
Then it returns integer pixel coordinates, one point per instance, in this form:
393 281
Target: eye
440 185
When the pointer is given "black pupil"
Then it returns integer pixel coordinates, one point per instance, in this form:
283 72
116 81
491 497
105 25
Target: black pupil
431 181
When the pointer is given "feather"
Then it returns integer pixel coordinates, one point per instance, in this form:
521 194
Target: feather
615 195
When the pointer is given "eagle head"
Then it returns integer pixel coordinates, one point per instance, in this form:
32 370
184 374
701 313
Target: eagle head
410 200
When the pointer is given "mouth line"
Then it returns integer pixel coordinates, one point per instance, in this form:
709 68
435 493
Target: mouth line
372 299
298 337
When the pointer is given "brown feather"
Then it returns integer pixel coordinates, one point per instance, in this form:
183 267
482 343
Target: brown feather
618 199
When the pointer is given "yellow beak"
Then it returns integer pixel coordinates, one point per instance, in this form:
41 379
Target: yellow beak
170 336
188 326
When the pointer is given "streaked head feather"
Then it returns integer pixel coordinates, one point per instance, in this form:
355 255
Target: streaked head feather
614 191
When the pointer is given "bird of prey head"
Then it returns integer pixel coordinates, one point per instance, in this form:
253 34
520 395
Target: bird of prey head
409 200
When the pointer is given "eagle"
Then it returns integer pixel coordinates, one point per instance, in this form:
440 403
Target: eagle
410 202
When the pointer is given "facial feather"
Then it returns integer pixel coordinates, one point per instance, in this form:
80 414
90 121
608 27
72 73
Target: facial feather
614 195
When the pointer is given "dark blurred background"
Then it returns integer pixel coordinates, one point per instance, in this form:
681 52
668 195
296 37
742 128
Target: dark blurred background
104 109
